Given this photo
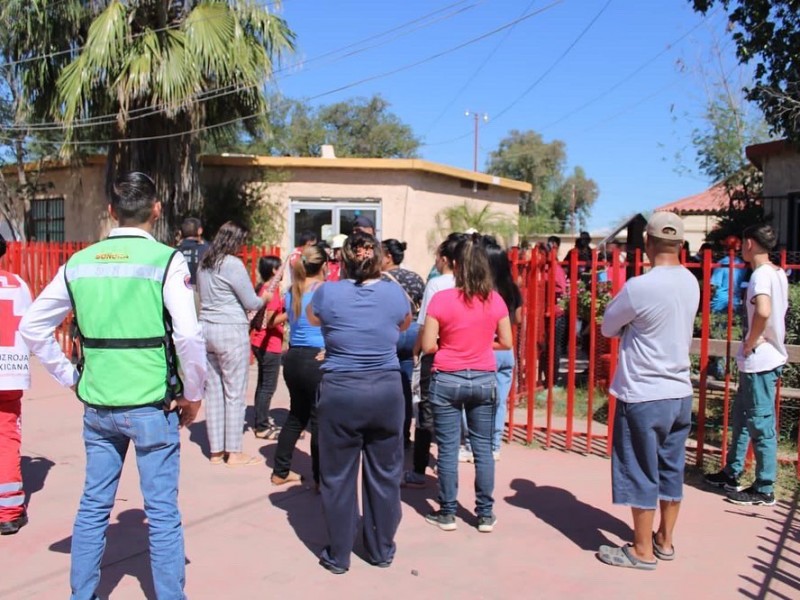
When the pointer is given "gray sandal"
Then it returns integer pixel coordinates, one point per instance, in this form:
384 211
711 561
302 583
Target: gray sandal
660 553
622 557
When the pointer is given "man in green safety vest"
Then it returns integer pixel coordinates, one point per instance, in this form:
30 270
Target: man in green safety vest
134 307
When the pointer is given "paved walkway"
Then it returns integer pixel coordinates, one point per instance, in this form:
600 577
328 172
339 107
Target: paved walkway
247 538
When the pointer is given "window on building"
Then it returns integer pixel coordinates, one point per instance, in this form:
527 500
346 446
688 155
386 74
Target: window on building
330 217
47 219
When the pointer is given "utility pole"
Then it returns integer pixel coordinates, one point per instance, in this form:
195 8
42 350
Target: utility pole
572 205
477 116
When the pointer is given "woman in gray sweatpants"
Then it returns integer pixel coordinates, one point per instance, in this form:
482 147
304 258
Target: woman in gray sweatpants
226 294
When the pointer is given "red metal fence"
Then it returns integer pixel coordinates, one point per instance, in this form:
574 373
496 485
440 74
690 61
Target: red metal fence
566 404
563 403
38 262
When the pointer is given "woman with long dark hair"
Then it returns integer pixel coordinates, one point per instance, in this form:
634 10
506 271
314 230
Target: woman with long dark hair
266 342
394 252
463 326
226 296
504 285
360 407
301 364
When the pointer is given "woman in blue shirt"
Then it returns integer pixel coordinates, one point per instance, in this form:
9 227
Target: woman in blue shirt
301 364
361 406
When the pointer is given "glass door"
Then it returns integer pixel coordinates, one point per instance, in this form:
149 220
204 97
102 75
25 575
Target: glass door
327 218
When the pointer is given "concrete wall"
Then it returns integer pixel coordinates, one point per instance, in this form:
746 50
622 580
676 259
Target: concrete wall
409 200
85 205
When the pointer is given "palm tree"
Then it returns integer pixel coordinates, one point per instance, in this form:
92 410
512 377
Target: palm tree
156 74
466 217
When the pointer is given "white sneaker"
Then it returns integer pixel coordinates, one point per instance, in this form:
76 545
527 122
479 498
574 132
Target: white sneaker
496 455
465 455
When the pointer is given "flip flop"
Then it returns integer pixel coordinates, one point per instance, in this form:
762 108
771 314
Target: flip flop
622 557
249 462
660 553
217 460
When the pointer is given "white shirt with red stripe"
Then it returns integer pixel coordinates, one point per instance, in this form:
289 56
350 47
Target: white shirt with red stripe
15 298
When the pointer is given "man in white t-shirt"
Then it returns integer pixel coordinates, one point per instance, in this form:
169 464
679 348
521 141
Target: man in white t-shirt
654 316
760 360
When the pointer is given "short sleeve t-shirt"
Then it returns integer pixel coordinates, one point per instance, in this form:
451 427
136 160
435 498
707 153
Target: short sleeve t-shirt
301 332
654 317
770 281
360 324
435 285
466 330
271 338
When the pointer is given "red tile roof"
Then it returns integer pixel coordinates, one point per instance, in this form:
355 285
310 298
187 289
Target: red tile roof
713 201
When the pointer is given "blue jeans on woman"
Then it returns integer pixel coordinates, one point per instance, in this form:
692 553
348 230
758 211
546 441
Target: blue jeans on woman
475 393
107 433
405 353
503 375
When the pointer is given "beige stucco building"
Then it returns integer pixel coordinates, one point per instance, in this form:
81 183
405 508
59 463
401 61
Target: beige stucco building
779 161
401 196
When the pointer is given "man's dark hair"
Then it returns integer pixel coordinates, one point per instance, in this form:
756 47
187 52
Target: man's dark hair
190 227
2 246
306 237
763 234
132 197
554 241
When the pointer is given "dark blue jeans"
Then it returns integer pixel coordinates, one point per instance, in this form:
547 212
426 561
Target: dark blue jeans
475 393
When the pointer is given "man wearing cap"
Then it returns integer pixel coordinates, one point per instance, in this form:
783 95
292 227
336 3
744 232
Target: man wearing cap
364 225
653 315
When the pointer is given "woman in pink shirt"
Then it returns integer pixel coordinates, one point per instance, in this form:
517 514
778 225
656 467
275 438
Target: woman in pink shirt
460 327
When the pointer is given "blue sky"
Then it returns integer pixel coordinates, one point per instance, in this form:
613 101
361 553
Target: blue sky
625 98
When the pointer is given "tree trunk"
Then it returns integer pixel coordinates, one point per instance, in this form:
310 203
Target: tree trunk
172 162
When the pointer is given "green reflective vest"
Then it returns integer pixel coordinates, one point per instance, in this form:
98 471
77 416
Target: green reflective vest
116 288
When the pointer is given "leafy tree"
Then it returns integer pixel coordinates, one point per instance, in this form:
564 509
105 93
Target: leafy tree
359 127
165 70
30 28
767 34
365 128
557 200
253 203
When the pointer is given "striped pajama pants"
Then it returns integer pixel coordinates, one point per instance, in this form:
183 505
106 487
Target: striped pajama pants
228 356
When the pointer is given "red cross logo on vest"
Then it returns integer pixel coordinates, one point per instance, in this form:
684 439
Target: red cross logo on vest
9 323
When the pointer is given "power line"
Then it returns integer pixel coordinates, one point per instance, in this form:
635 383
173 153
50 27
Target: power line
213 93
616 85
327 93
630 75
555 63
476 73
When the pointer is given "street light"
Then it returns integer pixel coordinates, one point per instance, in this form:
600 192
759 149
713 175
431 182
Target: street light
478 117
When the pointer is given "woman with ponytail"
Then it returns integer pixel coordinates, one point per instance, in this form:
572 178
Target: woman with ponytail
463 326
360 404
301 364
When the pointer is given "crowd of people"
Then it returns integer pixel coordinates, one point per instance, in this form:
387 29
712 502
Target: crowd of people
369 352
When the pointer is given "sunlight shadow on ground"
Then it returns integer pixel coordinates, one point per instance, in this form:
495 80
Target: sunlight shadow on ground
582 523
